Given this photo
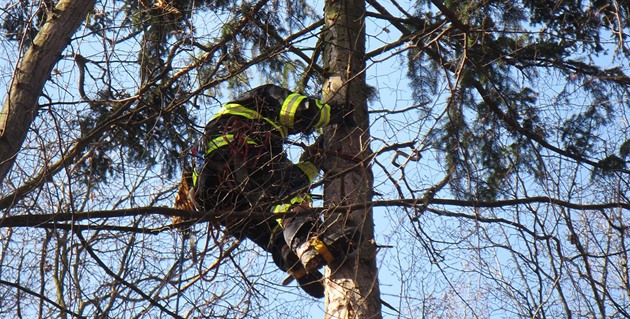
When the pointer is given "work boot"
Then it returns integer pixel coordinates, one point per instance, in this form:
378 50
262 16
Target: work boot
297 231
311 283
310 258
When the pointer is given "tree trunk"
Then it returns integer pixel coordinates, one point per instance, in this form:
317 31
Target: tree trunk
33 70
352 289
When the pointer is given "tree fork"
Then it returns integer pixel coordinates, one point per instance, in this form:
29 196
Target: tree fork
352 289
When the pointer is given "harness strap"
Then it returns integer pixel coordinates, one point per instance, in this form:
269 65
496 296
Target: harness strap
321 249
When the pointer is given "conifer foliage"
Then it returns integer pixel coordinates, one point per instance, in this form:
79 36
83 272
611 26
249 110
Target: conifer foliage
490 140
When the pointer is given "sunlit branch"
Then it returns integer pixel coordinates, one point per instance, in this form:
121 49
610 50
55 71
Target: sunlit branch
53 220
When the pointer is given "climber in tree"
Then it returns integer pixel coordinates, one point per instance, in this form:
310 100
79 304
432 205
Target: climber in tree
245 169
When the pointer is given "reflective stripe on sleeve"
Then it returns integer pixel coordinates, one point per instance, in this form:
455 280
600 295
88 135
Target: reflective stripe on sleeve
289 107
309 169
237 109
324 114
283 208
221 141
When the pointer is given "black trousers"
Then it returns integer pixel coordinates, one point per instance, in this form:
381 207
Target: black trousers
246 178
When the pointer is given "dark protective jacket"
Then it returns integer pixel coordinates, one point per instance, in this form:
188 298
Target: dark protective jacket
246 169
244 142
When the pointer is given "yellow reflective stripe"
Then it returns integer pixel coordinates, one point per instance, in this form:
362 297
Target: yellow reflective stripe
309 169
221 141
321 249
237 109
289 107
324 114
195 176
302 198
283 208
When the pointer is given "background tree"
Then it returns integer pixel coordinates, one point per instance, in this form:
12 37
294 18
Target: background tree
34 68
499 130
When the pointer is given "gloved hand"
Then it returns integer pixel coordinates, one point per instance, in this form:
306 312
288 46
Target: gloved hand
342 114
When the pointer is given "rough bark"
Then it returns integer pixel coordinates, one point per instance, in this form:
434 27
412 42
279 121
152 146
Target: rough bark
32 72
352 289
